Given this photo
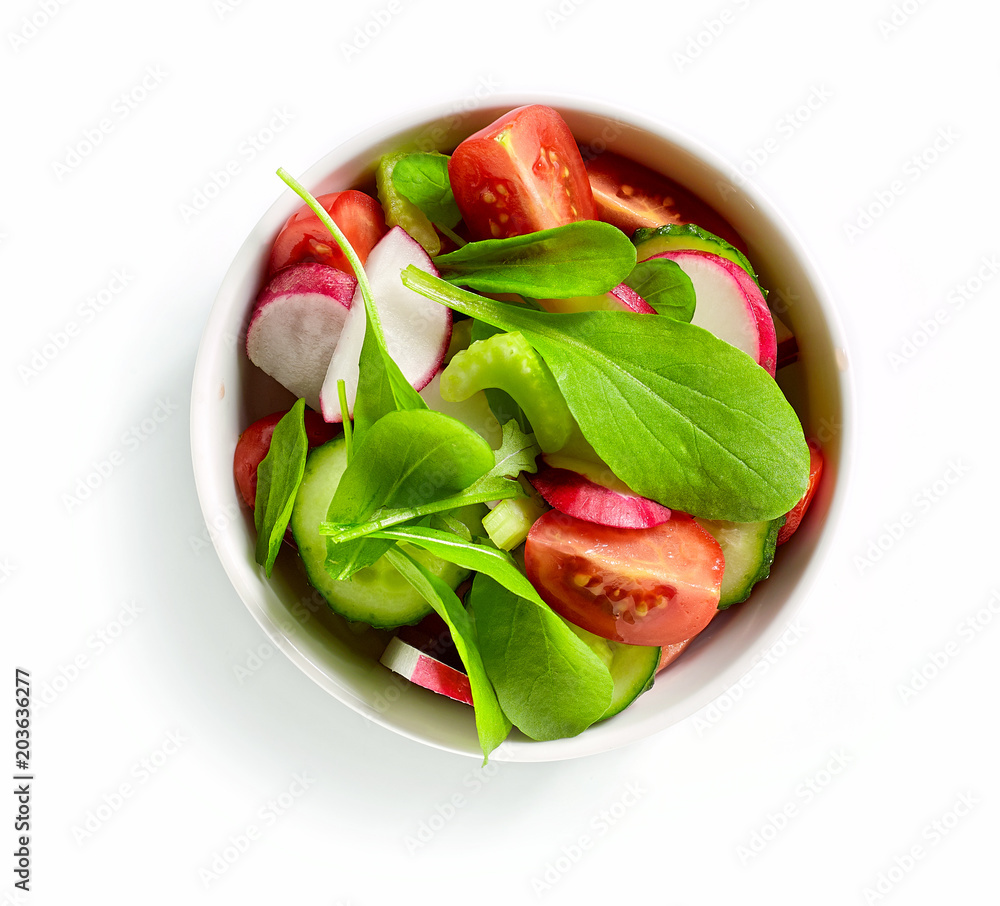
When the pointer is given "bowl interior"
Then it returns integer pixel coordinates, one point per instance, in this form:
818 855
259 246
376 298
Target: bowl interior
229 393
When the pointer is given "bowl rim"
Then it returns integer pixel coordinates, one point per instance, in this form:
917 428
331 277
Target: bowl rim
285 638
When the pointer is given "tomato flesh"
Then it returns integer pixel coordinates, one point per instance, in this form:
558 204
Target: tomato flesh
255 441
520 174
630 195
304 238
794 517
649 586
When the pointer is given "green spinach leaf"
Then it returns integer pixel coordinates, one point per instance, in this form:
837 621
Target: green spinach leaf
492 725
547 680
517 454
665 286
406 458
579 259
707 430
422 177
278 478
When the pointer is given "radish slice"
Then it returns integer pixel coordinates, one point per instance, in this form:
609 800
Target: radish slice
416 329
729 304
788 347
426 671
571 493
296 323
621 298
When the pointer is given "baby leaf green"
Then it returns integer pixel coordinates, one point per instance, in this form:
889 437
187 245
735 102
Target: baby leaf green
707 430
579 259
406 458
547 680
492 725
278 478
665 286
422 177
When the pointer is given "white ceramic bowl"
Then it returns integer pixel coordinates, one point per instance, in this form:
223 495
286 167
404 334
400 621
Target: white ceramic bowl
229 393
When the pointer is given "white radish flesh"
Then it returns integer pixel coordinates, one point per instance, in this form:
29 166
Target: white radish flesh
729 304
296 324
416 329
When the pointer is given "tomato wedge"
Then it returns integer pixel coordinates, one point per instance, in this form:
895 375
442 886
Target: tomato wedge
520 174
649 586
629 195
304 238
255 441
799 510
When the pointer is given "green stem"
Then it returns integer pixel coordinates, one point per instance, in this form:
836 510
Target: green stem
345 247
338 533
451 234
348 427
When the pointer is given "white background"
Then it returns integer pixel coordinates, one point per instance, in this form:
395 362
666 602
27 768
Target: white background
164 773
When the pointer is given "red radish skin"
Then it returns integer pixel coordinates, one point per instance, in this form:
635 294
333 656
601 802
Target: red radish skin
416 330
787 345
423 670
729 304
621 298
295 326
573 494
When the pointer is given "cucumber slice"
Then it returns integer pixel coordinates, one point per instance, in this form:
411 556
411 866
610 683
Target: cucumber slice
632 667
749 551
676 236
377 595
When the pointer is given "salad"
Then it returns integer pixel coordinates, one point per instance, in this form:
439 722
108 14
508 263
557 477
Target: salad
537 437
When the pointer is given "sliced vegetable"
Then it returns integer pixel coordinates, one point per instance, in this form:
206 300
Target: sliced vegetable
632 668
799 510
426 671
416 332
730 305
653 586
520 174
678 237
377 595
749 551
575 495
296 323
632 196
305 238
508 362
255 441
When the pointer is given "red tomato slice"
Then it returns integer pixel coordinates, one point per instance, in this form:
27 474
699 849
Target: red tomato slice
799 510
650 586
521 174
630 195
304 238
255 441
